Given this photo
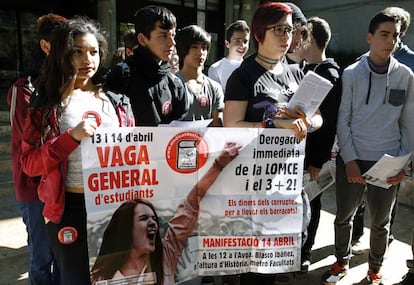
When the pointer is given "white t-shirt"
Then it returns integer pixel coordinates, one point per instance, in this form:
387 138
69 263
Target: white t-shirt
77 108
221 70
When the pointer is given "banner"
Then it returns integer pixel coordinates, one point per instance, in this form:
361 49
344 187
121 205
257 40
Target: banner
250 218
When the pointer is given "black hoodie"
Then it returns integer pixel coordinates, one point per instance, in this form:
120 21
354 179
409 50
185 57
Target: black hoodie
319 143
157 96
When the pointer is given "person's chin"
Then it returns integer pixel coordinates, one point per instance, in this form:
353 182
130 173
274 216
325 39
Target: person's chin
166 57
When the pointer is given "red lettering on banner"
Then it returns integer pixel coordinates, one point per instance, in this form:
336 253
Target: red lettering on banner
122 179
114 156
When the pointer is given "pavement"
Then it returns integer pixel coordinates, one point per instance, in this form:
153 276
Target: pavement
13 247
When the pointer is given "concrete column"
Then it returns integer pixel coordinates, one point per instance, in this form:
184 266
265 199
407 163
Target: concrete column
247 10
107 19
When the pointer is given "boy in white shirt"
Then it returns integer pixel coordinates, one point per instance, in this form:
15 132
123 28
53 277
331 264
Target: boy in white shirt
237 42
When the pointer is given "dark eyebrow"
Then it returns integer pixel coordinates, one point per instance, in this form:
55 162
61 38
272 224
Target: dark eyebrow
385 32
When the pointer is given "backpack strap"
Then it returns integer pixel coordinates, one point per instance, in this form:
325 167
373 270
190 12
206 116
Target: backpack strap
122 107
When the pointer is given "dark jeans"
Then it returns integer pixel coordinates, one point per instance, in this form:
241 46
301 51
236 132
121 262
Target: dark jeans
379 201
71 254
358 229
42 269
315 206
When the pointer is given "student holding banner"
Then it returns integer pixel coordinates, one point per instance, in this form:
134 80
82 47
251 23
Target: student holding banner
264 80
67 107
148 258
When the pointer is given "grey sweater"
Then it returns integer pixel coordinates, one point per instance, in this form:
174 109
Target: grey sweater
376 114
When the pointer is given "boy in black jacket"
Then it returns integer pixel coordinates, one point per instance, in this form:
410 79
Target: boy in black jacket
319 143
157 96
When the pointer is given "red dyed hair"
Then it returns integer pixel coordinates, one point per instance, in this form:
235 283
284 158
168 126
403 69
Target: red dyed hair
266 14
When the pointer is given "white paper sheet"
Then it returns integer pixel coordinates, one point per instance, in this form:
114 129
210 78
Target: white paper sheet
312 90
386 167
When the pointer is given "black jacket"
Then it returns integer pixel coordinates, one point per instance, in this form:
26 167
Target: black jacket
319 143
157 96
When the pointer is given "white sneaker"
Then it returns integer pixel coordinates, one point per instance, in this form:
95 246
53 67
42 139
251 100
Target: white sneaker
357 247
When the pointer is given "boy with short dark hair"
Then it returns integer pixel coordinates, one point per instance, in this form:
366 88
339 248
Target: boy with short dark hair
375 118
237 43
404 55
114 76
300 35
130 41
157 96
204 95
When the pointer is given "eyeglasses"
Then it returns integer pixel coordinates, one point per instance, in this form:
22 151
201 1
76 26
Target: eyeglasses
281 30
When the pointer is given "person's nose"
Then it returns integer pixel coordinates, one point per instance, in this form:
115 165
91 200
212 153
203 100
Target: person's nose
87 58
171 41
287 35
202 51
152 222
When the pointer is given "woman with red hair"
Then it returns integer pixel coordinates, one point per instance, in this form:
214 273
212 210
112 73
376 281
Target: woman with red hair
265 81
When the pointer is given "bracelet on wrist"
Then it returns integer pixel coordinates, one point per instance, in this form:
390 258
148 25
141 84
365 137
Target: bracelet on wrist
312 127
217 165
268 123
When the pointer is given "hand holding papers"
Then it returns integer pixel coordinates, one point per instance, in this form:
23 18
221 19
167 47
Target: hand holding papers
325 179
386 167
310 94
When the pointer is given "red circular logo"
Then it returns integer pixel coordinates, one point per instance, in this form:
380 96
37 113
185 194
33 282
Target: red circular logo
94 116
187 152
67 235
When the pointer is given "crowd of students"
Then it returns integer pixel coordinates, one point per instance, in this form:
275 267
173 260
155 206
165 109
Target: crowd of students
369 110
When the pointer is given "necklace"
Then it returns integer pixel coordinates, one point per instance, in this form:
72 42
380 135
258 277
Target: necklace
267 60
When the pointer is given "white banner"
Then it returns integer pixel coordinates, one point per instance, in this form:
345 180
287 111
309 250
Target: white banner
249 220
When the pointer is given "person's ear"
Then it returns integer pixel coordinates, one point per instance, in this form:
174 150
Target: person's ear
142 39
368 38
227 43
255 38
128 52
45 46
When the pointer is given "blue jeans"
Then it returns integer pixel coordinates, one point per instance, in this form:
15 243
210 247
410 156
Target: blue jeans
41 263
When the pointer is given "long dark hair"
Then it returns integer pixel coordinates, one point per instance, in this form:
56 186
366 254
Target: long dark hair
116 244
57 76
